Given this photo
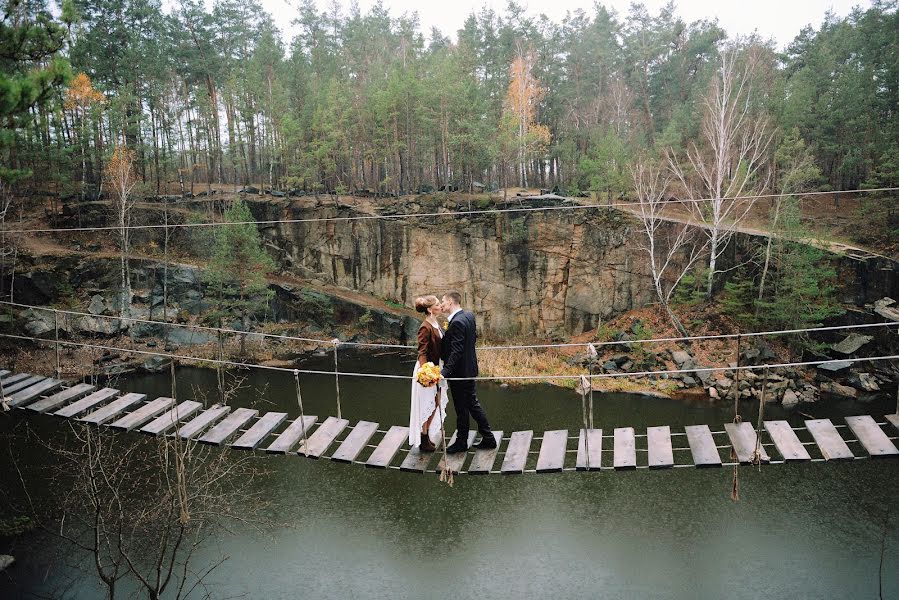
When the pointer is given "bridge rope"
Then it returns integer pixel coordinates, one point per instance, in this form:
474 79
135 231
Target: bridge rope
690 338
458 213
478 378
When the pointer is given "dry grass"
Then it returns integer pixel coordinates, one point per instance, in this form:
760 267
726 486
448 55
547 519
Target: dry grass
495 363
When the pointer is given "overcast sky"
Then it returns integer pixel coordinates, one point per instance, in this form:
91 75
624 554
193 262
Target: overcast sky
780 19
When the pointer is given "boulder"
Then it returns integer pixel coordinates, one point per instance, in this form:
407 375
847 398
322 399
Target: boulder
620 359
155 364
144 330
790 399
610 365
704 376
713 393
751 355
835 367
182 336
680 358
97 305
40 325
864 382
100 326
6 561
766 353
689 381
836 390
851 343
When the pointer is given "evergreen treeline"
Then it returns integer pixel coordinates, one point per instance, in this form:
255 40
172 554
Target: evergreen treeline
369 101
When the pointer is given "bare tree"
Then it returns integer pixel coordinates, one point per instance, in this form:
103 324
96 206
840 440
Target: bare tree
140 510
672 247
721 177
121 177
5 251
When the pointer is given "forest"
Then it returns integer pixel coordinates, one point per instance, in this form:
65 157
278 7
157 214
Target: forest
367 101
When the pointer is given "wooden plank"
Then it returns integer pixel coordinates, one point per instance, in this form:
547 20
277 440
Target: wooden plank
288 438
658 445
206 418
31 393
702 446
786 441
829 441
482 461
87 403
259 431
417 461
229 426
56 400
172 417
455 461
355 442
143 414
9 390
894 421
3 373
593 460
8 381
871 436
552 451
743 438
108 412
322 438
390 444
625 449
517 452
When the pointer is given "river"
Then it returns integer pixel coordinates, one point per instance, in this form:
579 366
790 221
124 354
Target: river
798 531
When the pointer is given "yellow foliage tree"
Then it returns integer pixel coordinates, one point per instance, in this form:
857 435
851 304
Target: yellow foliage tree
122 179
528 138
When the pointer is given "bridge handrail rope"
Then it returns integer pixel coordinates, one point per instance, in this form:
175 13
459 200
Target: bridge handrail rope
459 213
478 378
721 336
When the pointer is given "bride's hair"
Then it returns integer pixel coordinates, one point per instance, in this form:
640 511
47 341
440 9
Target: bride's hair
423 303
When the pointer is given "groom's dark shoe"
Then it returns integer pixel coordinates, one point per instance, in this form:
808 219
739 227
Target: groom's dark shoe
488 442
456 447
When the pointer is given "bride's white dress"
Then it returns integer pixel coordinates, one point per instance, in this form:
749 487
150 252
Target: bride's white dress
423 401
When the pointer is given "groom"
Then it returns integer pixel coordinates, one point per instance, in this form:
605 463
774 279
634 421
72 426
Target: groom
460 361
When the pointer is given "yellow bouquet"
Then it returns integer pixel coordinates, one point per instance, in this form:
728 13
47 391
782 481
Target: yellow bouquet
429 374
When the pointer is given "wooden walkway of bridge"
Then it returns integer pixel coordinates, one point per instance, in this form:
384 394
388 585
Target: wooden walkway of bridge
364 443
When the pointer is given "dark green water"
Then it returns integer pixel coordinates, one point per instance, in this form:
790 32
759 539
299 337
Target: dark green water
799 531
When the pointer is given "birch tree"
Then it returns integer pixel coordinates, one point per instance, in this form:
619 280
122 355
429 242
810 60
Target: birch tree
721 176
671 247
122 179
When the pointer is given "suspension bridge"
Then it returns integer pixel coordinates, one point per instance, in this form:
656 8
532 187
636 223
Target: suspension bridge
368 443
365 443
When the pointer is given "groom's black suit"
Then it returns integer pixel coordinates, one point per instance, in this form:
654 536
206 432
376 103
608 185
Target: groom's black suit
460 360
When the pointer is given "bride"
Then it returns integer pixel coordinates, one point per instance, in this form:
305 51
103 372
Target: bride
423 426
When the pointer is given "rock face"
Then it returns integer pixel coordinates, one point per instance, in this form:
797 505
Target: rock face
553 272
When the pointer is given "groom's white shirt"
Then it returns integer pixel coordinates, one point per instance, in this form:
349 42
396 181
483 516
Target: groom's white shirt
453 314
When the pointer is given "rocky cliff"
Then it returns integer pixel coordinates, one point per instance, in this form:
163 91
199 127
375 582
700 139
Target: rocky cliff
553 272
557 272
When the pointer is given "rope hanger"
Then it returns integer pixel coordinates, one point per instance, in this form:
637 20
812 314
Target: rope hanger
478 378
587 345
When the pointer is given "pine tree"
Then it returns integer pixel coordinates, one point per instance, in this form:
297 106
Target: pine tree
238 268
